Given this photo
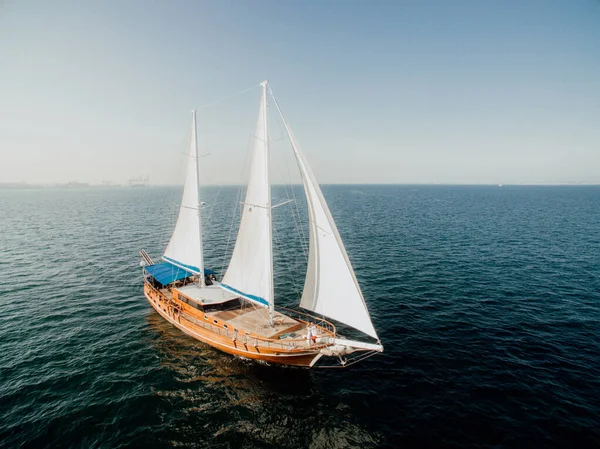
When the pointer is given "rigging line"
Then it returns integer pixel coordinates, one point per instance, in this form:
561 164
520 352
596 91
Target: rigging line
275 234
352 361
292 277
235 204
282 203
229 97
298 224
360 359
297 210
229 233
212 208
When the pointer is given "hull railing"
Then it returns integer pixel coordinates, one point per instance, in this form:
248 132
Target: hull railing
240 339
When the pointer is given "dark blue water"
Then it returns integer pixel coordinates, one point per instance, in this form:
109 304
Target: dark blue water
487 301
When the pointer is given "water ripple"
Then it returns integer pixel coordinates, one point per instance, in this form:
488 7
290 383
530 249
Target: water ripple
487 302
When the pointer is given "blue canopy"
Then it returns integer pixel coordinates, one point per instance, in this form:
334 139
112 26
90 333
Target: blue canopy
167 273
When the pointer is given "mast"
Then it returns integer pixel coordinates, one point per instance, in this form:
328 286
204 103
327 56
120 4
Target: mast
270 205
201 282
250 271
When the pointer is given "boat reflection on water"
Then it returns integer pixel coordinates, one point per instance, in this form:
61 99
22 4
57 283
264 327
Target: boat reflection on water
193 361
211 398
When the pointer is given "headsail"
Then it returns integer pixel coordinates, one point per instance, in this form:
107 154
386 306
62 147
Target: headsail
185 247
331 288
250 272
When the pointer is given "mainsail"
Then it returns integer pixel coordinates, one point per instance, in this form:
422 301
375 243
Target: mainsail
185 247
250 272
330 288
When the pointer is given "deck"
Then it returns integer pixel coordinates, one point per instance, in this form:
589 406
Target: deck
246 318
256 321
240 322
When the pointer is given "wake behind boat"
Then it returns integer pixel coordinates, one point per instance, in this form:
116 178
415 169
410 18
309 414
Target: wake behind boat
238 314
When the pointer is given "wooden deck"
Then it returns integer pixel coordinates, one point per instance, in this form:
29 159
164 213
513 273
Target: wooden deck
256 321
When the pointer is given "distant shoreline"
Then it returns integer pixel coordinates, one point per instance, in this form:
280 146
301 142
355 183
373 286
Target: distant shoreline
81 185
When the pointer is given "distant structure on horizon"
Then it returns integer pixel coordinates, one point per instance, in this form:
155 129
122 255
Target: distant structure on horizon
139 181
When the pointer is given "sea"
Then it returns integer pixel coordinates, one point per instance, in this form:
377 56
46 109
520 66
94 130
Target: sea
485 298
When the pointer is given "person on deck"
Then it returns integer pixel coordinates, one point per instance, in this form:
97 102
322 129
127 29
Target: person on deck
313 333
308 334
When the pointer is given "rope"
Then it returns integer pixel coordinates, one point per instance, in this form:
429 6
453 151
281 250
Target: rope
304 240
212 207
297 221
229 97
238 199
292 277
294 145
352 362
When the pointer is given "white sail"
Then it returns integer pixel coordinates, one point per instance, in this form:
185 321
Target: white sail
250 272
185 247
331 288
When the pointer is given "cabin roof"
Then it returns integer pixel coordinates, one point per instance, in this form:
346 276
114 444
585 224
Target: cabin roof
210 294
167 273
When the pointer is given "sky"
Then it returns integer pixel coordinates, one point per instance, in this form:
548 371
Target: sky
449 92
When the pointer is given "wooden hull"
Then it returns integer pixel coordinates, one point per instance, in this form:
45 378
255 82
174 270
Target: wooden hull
194 324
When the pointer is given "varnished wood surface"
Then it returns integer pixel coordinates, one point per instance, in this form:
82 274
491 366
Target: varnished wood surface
230 333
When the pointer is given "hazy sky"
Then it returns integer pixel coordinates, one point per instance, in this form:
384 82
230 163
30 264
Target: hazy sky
442 91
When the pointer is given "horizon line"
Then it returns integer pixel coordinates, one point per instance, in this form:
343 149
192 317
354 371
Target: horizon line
79 184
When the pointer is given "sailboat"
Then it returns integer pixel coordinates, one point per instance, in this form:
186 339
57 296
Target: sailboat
238 314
